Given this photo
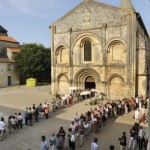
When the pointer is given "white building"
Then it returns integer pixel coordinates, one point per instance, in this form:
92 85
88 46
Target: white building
8 48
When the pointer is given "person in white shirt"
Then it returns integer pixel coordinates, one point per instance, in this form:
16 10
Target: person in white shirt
147 102
45 104
138 116
137 102
44 143
87 128
72 126
140 102
2 128
76 117
20 120
94 145
94 124
13 123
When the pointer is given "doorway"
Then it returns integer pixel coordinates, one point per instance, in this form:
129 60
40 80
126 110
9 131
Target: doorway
90 83
9 80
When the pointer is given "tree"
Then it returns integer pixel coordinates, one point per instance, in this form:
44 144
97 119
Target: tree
34 60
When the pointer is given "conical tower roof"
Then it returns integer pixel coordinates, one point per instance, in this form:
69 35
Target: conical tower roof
127 4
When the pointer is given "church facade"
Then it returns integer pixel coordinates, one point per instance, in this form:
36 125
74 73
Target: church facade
102 47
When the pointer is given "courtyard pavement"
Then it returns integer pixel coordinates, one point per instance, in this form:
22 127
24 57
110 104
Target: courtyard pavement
16 99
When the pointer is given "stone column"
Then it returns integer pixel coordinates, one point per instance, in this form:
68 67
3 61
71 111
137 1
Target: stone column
53 28
70 59
104 28
131 56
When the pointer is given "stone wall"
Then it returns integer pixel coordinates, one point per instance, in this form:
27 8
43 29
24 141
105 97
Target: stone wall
116 47
9 44
4 73
143 47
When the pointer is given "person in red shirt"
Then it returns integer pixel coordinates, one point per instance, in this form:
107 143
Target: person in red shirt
132 103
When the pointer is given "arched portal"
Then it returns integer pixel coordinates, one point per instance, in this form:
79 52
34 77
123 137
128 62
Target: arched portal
87 78
90 83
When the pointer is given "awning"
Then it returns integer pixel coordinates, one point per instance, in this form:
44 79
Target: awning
93 90
64 98
85 93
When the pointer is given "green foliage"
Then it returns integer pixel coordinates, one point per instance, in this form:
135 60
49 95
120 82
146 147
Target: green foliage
34 60
93 102
57 95
86 104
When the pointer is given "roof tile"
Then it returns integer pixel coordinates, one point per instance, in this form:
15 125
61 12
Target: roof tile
7 38
13 49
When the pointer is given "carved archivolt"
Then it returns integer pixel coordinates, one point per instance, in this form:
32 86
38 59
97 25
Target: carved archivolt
62 76
62 55
84 40
89 49
116 50
115 76
84 37
83 73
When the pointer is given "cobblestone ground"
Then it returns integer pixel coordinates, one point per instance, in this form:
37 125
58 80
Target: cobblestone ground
15 99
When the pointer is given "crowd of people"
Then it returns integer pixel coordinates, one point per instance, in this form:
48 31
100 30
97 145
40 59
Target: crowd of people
17 121
32 114
91 121
82 125
55 141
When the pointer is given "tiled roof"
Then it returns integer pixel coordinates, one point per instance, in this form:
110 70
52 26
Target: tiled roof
13 49
7 38
6 60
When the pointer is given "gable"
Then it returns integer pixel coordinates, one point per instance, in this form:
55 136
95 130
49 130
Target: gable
89 15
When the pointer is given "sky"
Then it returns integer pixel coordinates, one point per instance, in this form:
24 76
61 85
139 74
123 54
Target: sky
28 21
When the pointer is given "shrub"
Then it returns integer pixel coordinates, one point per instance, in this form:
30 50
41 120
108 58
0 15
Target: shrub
93 102
57 95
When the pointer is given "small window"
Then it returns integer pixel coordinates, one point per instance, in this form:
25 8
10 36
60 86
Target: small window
87 51
9 67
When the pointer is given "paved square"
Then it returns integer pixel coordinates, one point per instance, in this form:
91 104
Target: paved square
15 99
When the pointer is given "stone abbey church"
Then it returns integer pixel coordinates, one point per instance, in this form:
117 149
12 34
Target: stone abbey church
103 47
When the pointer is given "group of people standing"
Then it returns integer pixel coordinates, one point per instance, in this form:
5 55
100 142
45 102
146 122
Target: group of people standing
15 122
138 136
56 141
34 113
85 123
91 121
141 106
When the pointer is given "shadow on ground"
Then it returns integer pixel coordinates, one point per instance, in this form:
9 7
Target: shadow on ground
29 137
